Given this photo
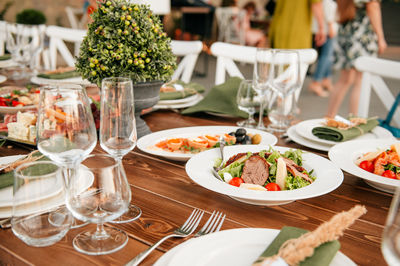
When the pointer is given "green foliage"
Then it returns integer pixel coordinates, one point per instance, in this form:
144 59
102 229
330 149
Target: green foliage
125 39
31 17
5 9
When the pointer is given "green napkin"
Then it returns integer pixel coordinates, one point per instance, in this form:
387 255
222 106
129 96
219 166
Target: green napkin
335 134
221 99
323 255
189 90
5 57
7 179
63 75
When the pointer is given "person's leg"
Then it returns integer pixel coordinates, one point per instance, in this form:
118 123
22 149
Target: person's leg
355 94
315 85
340 89
327 67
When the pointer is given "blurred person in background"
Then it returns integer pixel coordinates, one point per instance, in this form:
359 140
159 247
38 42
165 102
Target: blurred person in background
360 34
253 37
291 24
322 83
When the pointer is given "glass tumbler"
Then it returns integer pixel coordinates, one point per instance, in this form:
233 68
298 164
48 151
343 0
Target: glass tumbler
391 234
40 217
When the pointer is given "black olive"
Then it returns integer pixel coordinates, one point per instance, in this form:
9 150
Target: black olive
231 134
240 132
240 139
247 140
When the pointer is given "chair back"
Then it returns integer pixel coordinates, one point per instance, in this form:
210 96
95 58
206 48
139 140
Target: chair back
76 17
3 36
373 71
230 21
58 36
189 51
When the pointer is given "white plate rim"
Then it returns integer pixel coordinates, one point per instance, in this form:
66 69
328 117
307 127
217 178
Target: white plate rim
343 155
330 177
45 81
305 142
178 101
2 78
146 141
198 98
255 234
303 129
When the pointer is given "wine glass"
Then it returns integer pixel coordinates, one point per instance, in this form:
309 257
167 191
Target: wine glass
40 217
105 199
36 48
285 79
118 126
391 233
65 128
261 79
247 100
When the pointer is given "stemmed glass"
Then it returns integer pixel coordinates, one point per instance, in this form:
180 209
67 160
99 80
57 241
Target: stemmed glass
261 79
66 132
36 48
247 100
105 199
285 79
391 234
118 126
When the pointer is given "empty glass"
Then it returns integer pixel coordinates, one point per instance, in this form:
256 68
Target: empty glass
261 79
391 233
105 198
40 217
118 126
285 79
247 100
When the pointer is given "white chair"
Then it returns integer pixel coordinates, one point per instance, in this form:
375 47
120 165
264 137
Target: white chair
77 17
189 51
230 24
57 36
373 70
2 36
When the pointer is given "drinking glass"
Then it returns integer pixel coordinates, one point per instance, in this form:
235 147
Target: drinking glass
391 233
40 217
36 48
247 100
261 79
285 79
66 132
118 126
105 199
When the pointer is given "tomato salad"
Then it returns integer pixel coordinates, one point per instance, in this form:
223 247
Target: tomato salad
385 163
19 98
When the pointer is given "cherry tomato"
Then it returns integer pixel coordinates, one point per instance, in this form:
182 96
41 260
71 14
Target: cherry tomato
367 166
272 187
236 181
389 174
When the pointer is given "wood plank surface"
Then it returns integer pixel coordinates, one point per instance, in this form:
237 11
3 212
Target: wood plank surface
166 195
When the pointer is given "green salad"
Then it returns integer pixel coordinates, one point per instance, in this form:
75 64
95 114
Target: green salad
266 170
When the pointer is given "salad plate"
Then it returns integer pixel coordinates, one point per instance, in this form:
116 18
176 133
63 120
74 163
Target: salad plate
328 177
193 101
147 143
2 78
293 135
344 155
229 247
178 101
304 129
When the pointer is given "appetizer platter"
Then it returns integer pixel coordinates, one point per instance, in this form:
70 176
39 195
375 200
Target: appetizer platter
182 143
14 99
377 162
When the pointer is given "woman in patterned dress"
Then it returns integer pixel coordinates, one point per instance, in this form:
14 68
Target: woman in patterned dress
360 34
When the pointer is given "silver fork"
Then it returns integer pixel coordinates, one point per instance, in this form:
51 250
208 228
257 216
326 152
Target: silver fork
185 230
213 224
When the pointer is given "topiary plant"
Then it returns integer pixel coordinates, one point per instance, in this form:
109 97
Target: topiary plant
125 39
31 17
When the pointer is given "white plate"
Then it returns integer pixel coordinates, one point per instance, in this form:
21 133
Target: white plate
235 247
304 129
7 63
328 177
2 78
220 114
345 154
44 81
178 101
147 142
13 110
291 132
197 99
52 199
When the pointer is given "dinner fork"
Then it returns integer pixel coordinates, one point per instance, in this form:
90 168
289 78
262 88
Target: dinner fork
185 230
213 224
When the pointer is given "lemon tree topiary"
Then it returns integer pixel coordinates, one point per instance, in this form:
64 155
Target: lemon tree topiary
125 39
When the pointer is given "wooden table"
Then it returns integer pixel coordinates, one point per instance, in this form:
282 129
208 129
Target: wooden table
167 196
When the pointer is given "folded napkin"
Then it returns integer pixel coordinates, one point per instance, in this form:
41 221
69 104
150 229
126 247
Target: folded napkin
63 75
7 179
221 99
189 90
336 134
5 57
323 255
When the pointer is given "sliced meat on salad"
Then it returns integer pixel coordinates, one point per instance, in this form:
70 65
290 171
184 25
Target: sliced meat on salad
255 170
